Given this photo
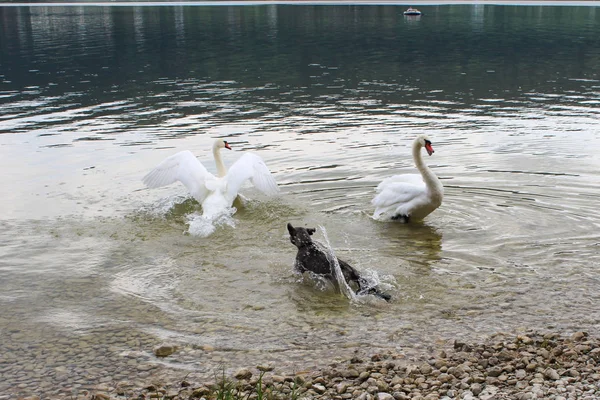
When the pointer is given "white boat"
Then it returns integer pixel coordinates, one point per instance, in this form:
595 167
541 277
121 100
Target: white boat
412 11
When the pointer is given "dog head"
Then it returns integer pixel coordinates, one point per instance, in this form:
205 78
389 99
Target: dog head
300 236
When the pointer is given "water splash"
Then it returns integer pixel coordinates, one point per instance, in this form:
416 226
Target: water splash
185 209
337 270
203 226
372 280
164 207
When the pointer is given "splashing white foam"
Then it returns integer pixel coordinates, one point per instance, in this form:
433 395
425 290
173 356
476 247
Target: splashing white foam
164 205
338 275
371 279
201 226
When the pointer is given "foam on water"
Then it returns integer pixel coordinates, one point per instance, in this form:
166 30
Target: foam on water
164 206
339 276
183 207
371 280
202 226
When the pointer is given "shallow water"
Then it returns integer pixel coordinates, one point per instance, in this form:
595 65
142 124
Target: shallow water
96 269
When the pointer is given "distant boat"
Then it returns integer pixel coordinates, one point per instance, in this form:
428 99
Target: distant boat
412 11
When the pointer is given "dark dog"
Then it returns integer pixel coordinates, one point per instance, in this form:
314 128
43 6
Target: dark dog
312 257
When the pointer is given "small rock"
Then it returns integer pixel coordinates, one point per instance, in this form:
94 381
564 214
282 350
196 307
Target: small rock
299 379
199 392
582 348
243 373
458 372
489 393
341 387
426 369
364 375
525 396
578 336
164 350
531 367
350 373
544 353
265 368
525 339
467 395
520 374
320 389
551 373
384 396
505 355
458 344
382 386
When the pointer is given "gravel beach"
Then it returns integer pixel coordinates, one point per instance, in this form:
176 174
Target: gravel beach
522 367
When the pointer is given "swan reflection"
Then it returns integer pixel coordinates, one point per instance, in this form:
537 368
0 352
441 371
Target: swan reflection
416 243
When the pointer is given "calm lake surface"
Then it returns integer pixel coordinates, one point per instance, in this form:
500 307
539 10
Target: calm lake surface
96 270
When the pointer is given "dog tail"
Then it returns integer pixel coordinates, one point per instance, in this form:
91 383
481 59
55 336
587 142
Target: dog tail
374 292
381 295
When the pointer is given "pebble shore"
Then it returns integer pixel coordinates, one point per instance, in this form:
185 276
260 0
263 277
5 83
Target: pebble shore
523 367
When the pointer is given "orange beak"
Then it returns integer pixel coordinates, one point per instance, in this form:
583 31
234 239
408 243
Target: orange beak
429 149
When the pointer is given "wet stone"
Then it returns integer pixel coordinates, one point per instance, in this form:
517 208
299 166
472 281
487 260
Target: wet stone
164 350
144 367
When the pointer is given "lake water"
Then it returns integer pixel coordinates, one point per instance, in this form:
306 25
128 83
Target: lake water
96 270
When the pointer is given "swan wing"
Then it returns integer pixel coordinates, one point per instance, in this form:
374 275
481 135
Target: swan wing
252 167
415 179
398 193
185 168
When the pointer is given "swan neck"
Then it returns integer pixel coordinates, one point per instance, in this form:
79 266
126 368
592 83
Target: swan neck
417 156
221 170
431 180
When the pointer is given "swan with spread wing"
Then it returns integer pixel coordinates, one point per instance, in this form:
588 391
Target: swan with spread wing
215 193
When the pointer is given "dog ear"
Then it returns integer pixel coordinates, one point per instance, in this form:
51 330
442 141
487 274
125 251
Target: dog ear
291 229
311 231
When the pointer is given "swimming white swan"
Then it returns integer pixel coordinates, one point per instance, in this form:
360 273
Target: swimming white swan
215 193
410 196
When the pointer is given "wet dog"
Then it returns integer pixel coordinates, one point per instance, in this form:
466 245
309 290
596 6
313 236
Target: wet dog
313 257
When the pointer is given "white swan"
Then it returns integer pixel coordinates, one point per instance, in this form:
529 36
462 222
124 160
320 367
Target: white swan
410 196
215 193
